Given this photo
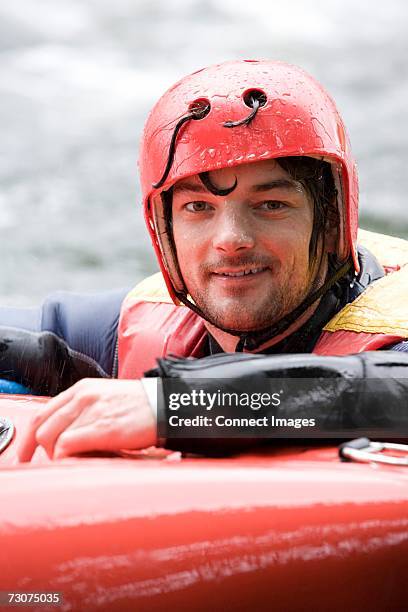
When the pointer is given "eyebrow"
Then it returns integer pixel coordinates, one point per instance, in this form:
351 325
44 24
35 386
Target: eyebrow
288 184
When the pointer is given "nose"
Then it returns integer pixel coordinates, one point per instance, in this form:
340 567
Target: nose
232 231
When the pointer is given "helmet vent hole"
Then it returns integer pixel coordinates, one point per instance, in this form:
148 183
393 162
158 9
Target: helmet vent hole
199 108
255 95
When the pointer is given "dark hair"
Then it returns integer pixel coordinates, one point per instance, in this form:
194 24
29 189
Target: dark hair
316 177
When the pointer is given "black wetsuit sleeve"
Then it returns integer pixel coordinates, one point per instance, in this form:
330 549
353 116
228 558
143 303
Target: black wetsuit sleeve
352 405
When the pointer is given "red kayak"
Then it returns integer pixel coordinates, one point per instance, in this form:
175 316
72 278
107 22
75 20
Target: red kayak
287 529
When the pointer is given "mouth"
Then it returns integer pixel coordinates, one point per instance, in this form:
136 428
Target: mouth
242 273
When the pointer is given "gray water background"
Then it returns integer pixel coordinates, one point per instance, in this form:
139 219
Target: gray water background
77 78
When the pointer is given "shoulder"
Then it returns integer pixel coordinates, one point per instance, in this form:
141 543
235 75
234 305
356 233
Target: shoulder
87 322
64 311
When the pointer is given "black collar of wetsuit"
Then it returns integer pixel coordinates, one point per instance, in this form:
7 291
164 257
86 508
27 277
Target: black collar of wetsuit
343 292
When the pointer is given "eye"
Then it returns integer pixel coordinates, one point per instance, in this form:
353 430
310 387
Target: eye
197 206
271 205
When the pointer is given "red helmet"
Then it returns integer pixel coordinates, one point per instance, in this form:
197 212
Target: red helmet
186 134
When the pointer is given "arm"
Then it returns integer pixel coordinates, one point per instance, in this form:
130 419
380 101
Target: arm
357 392
72 422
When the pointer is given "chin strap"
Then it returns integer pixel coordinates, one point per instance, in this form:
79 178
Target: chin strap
250 341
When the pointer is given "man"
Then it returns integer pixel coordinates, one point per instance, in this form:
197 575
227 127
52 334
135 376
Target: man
250 196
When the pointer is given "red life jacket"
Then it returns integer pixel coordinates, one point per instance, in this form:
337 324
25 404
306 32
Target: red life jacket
152 326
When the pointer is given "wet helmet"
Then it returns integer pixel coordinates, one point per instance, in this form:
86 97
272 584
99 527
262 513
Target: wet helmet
236 113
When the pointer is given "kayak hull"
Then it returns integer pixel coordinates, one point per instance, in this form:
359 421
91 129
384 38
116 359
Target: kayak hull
157 532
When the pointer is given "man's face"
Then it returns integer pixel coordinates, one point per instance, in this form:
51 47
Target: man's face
244 257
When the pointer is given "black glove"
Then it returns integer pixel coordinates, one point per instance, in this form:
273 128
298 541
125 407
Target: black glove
43 362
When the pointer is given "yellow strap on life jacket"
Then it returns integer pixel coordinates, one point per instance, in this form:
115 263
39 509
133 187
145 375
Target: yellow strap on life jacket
383 307
151 289
389 251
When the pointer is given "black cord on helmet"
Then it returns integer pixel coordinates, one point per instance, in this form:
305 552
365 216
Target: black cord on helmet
255 103
197 111
172 149
200 109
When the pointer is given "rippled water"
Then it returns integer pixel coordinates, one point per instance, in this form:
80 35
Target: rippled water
77 78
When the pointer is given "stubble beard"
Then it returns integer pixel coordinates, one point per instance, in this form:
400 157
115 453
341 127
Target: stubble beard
242 314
